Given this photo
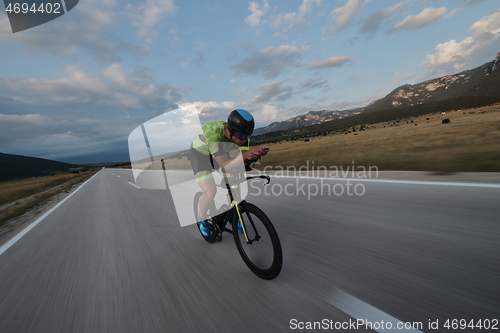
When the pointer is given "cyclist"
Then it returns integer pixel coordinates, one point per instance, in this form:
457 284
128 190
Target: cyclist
209 149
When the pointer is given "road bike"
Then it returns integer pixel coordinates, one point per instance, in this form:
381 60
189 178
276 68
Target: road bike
256 240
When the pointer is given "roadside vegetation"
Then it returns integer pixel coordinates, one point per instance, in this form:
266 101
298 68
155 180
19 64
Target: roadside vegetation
126 165
18 196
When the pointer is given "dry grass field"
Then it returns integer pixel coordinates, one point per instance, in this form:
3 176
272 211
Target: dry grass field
18 196
470 142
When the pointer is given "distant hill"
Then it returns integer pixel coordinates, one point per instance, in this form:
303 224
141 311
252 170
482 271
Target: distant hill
363 119
481 81
18 167
311 118
101 164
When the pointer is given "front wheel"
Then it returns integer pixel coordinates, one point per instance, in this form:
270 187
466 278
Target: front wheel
261 252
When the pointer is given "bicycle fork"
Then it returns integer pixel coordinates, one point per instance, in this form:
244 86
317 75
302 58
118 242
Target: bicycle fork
240 220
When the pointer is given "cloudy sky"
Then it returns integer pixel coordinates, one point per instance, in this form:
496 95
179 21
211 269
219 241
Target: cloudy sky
74 88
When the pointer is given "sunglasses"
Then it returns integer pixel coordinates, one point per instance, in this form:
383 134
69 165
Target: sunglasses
241 135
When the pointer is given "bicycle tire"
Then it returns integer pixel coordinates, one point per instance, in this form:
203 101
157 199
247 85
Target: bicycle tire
264 257
213 236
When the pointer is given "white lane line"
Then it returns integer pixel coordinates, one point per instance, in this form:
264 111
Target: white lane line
414 182
118 176
136 186
11 242
369 317
410 182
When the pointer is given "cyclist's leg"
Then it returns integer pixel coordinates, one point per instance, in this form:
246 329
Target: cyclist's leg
206 201
202 170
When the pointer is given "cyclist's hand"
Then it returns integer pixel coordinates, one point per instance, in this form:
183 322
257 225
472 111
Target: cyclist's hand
262 150
252 154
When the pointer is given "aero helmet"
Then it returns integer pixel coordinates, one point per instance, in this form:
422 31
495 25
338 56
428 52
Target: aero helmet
240 123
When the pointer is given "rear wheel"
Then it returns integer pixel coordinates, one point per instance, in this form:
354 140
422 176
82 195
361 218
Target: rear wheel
262 251
213 234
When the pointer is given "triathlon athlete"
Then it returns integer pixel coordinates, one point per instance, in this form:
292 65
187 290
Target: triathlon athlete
210 149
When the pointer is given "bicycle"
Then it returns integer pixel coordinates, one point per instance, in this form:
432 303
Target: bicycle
257 241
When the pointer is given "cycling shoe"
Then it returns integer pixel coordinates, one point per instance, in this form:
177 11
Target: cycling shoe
204 228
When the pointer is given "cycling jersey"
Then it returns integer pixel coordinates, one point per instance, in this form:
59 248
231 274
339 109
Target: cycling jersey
211 138
210 141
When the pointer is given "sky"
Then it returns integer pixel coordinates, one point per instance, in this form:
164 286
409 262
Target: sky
73 89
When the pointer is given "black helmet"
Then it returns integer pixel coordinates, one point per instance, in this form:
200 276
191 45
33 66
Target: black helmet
240 123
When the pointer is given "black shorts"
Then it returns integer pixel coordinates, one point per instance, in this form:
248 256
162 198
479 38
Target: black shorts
202 164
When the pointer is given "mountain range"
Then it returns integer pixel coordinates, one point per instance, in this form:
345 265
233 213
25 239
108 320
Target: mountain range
481 81
311 118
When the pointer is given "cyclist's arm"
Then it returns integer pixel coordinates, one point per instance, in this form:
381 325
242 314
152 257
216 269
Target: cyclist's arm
226 162
222 159
231 163
254 153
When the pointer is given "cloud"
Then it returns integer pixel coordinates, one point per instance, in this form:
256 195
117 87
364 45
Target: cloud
270 62
25 120
453 55
310 84
453 12
372 23
274 91
474 2
115 88
263 113
268 113
59 136
267 106
294 20
330 62
199 58
398 78
147 14
288 21
90 29
305 8
79 113
427 17
241 91
277 91
212 110
487 25
342 16
257 11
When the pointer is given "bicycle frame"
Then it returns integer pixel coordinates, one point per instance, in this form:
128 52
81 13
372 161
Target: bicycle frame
249 221
236 208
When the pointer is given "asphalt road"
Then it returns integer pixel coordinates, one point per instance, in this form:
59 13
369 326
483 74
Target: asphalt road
113 258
